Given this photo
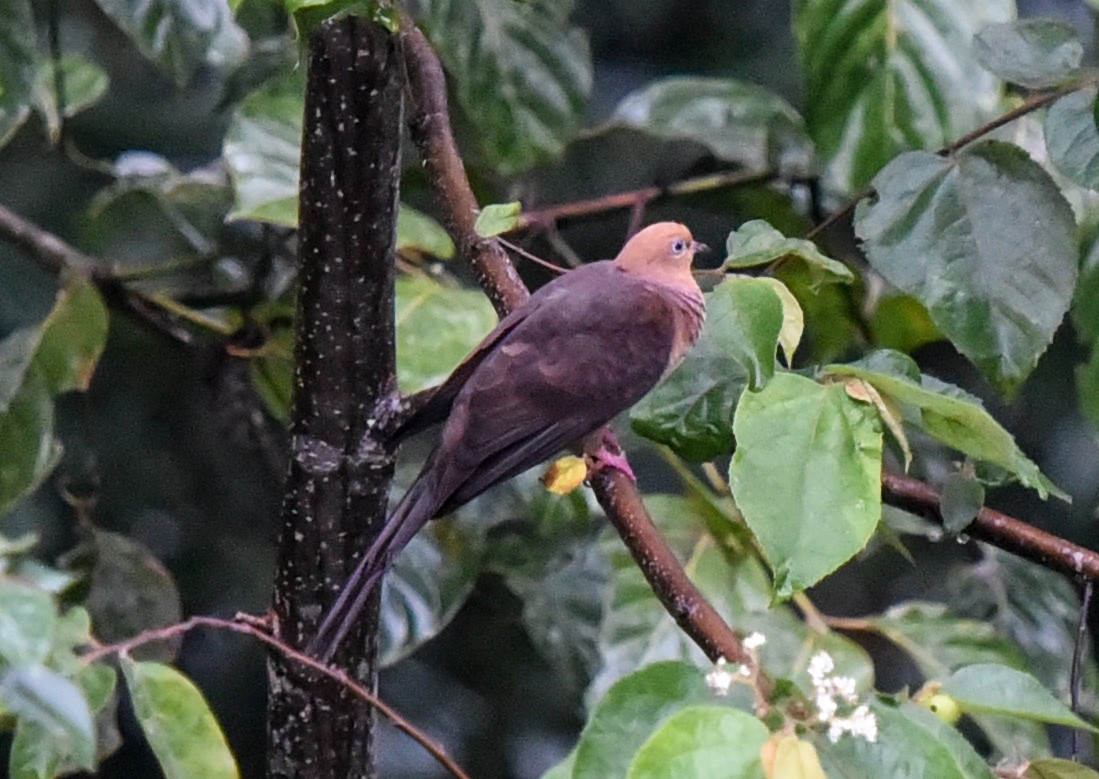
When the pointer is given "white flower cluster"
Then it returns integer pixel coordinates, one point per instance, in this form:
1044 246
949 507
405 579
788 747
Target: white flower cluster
831 691
721 678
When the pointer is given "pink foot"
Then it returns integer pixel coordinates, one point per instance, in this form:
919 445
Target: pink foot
608 455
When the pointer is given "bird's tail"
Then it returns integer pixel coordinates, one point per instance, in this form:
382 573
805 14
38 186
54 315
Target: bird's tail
413 512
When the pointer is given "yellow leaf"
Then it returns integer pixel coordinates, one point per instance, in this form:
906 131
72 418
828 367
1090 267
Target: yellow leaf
785 756
565 475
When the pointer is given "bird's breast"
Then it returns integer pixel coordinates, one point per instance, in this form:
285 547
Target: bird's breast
690 315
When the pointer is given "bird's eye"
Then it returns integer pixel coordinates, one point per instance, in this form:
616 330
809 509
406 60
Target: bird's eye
679 246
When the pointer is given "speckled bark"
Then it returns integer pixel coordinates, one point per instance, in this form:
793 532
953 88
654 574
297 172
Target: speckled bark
336 488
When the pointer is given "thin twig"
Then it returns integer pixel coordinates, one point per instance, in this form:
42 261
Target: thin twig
247 624
1031 104
532 257
1078 659
544 217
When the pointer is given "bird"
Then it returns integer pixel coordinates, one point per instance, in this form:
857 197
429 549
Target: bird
583 348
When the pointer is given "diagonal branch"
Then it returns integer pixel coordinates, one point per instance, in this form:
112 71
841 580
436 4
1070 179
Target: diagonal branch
617 494
429 124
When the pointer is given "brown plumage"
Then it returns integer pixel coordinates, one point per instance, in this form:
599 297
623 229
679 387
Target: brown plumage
583 348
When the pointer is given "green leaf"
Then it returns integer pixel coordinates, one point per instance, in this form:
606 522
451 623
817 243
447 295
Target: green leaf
948 231
702 741
940 642
831 328
437 327
263 153
561 576
429 582
883 78
757 243
308 15
901 322
956 419
630 711
34 755
750 315
1072 139
562 770
962 498
806 476
1035 53
16 356
911 742
19 60
637 629
1038 609
735 121
1087 387
84 82
127 590
997 689
178 723
420 233
498 218
28 619
73 337
520 72
26 438
54 703
180 35
433 576
1085 304
1058 768
692 410
793 318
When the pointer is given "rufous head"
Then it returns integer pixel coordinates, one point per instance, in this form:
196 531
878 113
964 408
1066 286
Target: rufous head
662 252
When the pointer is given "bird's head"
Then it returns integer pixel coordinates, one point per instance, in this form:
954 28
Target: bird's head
661 252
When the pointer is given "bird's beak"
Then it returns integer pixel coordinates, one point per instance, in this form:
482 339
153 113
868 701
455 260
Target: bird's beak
699 248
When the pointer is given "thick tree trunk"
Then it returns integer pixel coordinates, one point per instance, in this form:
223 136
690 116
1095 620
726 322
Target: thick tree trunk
345 382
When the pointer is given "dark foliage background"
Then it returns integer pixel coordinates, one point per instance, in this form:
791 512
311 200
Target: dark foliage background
164 433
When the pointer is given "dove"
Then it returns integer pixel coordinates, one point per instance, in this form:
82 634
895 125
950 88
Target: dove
582 349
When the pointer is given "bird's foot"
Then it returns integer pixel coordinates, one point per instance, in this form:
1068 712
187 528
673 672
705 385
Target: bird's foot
609 455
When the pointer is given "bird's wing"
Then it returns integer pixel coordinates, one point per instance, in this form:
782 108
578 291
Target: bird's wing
438 406
599 343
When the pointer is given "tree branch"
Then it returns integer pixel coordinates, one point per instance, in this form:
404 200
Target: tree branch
58 257
429 124
248 625
996 528
617 494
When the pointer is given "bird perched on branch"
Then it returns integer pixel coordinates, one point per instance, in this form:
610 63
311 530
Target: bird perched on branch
580 350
